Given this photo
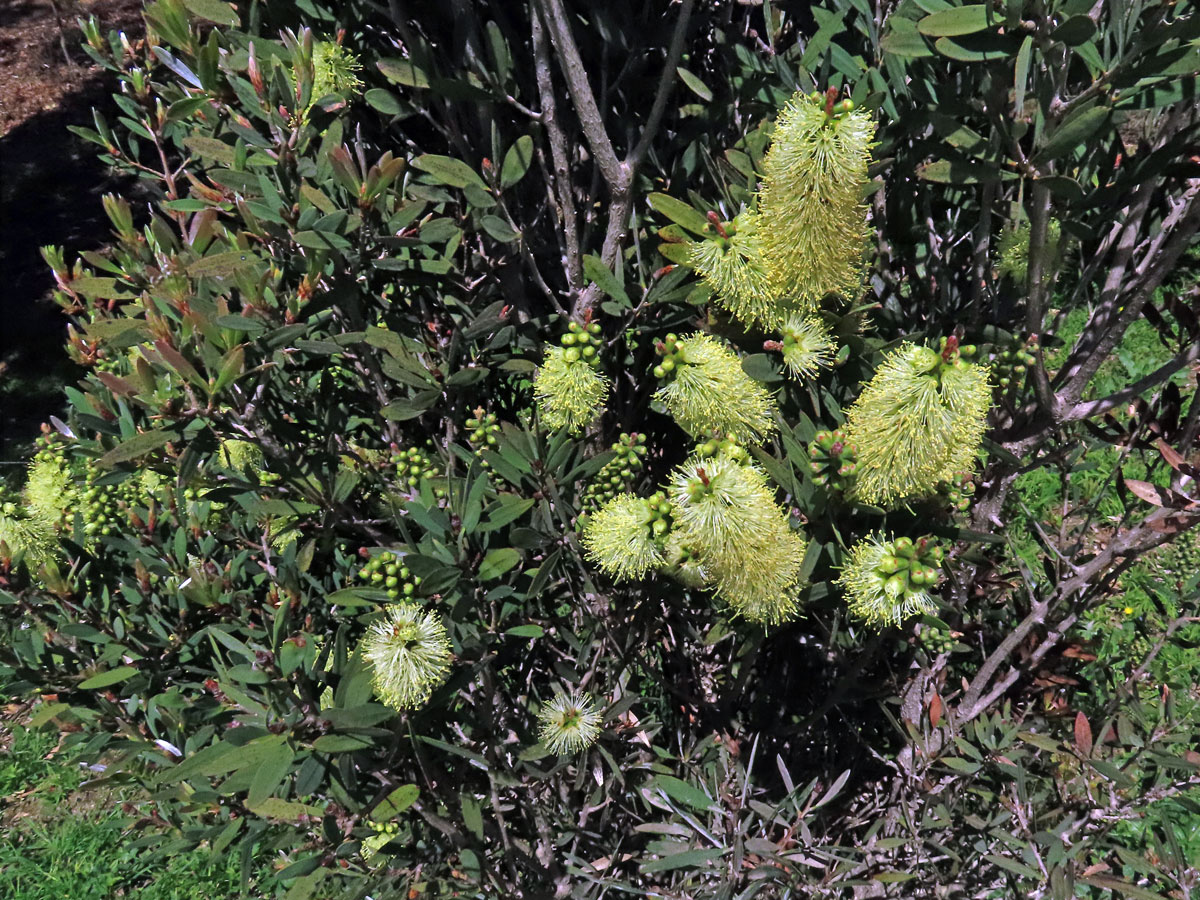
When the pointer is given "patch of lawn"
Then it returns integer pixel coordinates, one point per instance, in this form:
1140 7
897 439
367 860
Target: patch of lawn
61 841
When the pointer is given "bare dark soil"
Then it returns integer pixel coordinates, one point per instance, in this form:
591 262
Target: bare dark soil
50 189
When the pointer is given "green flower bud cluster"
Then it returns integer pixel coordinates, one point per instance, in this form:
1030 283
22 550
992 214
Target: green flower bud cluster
617 475
706 390
412 466
113 365
918 421
833 460
722 445
954 353
387 572
582 343
1011 363
886 582
957 491
484 429
383 828
935 641
104 506
569 390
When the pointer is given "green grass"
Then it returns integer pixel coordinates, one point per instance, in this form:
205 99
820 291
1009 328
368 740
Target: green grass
61 841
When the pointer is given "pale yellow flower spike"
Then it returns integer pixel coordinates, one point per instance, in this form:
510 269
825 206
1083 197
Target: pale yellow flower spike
732 264
813 218
570 393
919 420
707 390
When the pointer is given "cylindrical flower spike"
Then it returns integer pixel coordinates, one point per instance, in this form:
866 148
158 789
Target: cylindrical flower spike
620 537
723 509
767 594
706 390
1014 250
885 581
732 264
410 654
570 392
21 535
569 723
807 345
725 513
919 420
813 218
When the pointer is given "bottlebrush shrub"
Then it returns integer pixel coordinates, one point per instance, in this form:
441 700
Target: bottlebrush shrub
526 450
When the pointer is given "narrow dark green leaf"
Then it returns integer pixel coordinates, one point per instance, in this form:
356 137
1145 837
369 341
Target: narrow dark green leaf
214 11
497 562
447 170
698 87
517 161
396 802
401 71
1076 131
137 446
957 21
111 677
678 212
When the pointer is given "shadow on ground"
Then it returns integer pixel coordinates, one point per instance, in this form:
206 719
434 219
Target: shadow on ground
50 188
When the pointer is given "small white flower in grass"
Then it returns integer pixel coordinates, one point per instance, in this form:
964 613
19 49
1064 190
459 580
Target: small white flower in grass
570 723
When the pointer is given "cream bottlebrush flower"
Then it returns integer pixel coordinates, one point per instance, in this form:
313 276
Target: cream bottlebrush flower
707 390
877 591
967 390
918 421
732 263
570 723
619 538
24 535
1014 250
814 220
570 392
410 653
807 346
723 510
335 70
766 594
683 563
49 489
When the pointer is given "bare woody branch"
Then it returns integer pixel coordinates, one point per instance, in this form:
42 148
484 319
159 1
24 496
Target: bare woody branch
618 174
